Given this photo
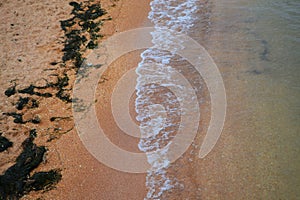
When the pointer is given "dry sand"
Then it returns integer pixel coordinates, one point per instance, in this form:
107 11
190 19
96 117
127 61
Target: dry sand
31 38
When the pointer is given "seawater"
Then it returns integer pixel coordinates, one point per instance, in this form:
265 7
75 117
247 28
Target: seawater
157 110
256 47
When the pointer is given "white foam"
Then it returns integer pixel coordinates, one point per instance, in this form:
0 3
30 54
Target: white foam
155 71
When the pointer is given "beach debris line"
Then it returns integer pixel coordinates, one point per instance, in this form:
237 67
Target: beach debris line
82 32
16 180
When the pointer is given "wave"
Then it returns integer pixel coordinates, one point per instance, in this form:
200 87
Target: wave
158 108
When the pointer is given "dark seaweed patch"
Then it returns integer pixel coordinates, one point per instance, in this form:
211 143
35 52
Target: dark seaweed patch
62 95
91 45
67 23
92 12
52 119
32 133
87 17
36 120
61 83
95 11
89 26
30 90
18 117
46 95
22 103
34 103
81 33
16 180
43 180
53 63
4 143
10 91
77 6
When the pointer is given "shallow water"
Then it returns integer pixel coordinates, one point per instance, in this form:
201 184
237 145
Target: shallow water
256 47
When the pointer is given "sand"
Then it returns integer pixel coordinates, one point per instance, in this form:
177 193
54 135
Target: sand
31 38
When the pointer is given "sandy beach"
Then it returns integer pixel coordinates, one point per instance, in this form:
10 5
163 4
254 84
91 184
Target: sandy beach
32 39
43 45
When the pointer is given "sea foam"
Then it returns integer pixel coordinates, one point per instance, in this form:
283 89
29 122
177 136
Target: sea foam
155 109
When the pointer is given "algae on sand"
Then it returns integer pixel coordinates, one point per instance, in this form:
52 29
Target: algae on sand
16 181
